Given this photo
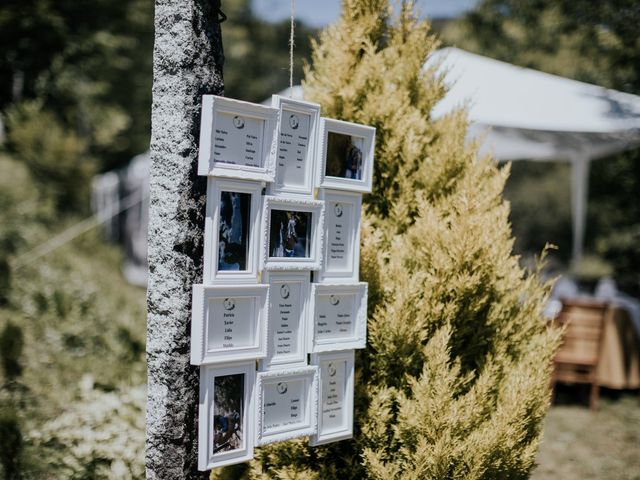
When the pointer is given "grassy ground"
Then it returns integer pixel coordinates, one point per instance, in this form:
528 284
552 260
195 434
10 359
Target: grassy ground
580 445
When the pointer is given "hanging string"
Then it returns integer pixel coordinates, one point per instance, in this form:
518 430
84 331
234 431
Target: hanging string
293 14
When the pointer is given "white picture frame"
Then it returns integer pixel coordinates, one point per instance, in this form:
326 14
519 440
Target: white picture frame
229 323
335 396
292 233
341 255
237 139
345 155
288 311
228 200
223 403
297 133
338 316
287 404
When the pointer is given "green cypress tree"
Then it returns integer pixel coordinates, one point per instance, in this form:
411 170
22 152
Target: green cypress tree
454 381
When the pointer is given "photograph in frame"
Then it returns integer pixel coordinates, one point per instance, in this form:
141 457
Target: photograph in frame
292 233
338 317
228 412
287 404
336 390
345 158
341 256
226 415
288 309
232 231
296 137
237 139
229 323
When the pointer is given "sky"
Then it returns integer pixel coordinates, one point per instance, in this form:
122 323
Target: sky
318 13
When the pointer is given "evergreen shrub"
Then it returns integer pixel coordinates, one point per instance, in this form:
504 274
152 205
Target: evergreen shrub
454 381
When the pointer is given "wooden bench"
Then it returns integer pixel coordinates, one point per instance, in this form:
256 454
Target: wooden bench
579 354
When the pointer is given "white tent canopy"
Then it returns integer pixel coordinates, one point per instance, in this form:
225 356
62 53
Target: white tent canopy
521 113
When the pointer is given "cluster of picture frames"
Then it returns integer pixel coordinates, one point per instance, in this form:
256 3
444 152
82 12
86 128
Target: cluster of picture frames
281 275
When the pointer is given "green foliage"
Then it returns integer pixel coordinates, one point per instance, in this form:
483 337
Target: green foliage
257 53
55 155
11 344
89 63
77 403
533 190
595 42
454 381
10 444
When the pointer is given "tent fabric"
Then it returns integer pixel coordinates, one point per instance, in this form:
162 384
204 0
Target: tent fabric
526 114
517 113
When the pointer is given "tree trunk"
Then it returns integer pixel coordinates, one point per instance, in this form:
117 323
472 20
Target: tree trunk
187 64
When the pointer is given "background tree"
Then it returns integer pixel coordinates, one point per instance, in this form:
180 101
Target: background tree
595 42
454 381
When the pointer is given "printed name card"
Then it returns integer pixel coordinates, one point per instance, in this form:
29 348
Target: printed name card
297 132
339 316
231 321
237 139
335 416
286 345
342 236
287 404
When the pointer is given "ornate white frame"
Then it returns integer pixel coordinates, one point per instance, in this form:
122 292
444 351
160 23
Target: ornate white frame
211 273
201 354
316 236
367 134
206 458
352 229
212 107
346 431
272 361
359 314
309 424
302 108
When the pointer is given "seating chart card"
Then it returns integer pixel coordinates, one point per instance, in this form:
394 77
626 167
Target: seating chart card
280 275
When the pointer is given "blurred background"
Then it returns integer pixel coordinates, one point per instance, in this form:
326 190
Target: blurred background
75 99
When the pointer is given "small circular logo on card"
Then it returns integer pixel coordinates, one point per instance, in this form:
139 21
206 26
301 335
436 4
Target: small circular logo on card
293 121
282 388
334 299
338 210
238 122
332 369
228 304
285 291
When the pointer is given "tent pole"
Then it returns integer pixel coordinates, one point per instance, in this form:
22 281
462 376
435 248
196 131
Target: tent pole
579 196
